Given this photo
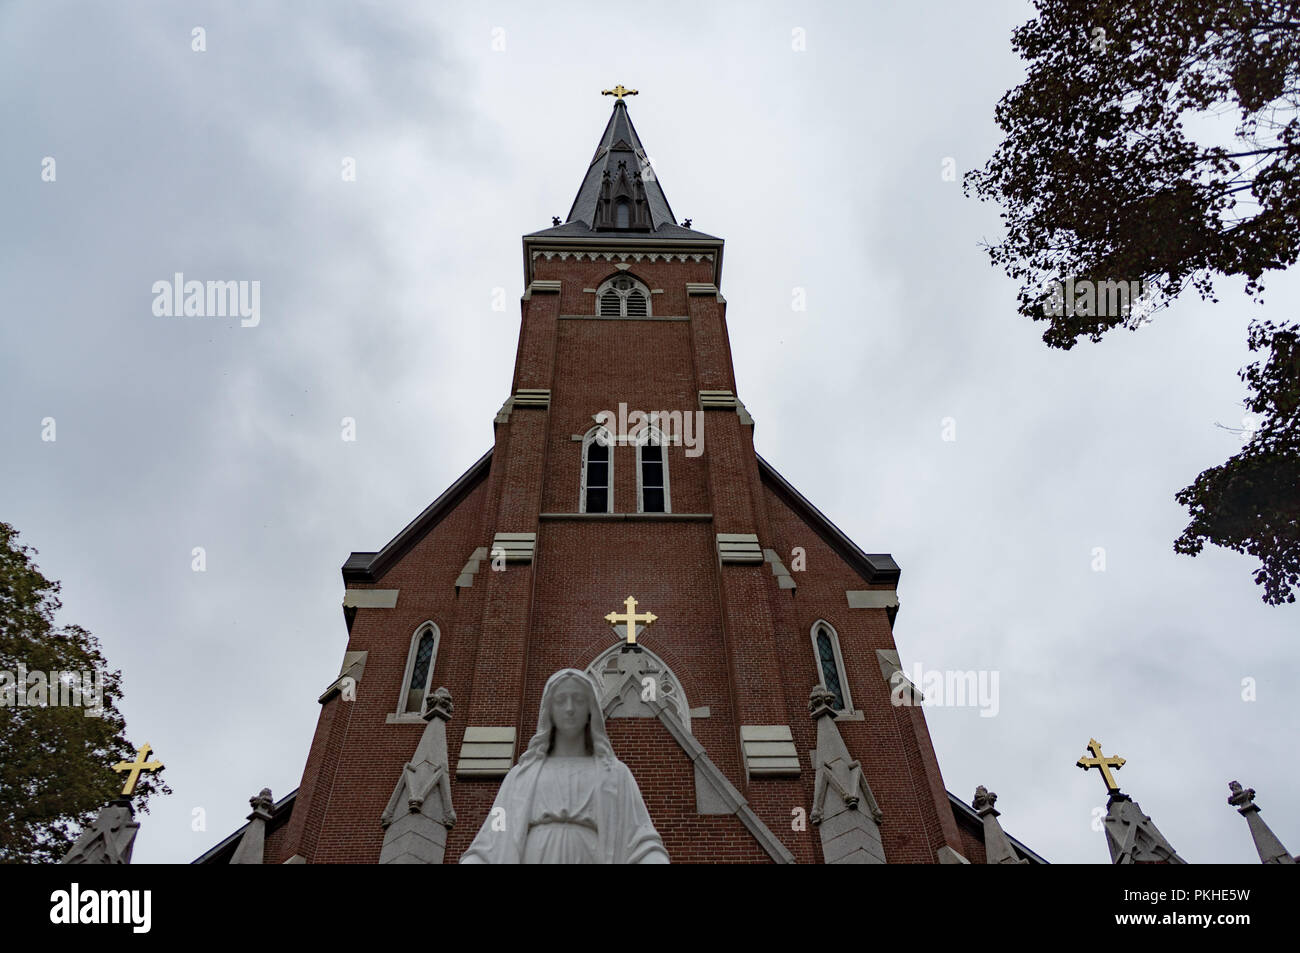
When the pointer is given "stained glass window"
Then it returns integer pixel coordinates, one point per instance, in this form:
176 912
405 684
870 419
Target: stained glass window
420 672
830 668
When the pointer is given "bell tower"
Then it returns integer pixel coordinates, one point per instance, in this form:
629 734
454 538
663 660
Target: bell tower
622 523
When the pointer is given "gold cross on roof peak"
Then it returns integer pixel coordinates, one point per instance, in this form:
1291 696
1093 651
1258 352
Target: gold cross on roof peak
133 768
618 92
631 617
1102 764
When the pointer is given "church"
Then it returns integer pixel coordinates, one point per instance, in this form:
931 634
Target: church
622 524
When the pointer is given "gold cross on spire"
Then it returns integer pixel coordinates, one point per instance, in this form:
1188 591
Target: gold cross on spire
631 617
135 767
618 92
1102 764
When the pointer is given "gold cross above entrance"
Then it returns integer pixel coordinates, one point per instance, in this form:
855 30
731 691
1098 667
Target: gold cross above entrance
1102 764
135 767
631 617
618 92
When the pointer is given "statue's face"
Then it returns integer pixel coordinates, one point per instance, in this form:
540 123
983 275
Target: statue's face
569 712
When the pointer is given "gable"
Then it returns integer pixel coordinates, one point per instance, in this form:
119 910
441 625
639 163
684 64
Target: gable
877 568
369 567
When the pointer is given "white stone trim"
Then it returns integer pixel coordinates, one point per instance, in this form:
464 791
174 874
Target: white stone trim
717 400
532 397
466 578
353 667
769 751
784 579
891 670
738 548
610 256
542 286
515 547
597 317
719 795
872 598
370 599
741 412
486 751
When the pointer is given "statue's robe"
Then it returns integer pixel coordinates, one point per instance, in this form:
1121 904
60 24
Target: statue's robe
624 831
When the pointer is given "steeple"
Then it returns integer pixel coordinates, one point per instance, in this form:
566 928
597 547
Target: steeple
1132 836
620 195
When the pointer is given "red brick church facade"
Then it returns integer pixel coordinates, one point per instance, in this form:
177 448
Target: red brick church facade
508 576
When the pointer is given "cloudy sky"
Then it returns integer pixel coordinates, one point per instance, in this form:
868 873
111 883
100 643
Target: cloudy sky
471 125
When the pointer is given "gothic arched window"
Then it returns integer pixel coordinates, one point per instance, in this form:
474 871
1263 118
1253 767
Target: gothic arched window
623 297
419 669
623 214
597 491
652 472
830 663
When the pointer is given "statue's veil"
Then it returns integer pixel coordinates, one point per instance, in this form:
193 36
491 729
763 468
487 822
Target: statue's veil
626 833
541 742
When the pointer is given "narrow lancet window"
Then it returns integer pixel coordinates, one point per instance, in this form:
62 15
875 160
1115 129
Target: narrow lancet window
830 663
597 492
419 668
652 472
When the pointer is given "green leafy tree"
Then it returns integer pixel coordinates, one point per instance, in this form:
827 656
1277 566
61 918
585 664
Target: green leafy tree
54 760
1101 181
1251 503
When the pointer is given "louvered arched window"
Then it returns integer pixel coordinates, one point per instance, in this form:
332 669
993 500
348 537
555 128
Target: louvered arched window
419 669
596 494
623 297
830 663
652 472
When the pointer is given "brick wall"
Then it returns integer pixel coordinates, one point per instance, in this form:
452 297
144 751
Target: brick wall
737 643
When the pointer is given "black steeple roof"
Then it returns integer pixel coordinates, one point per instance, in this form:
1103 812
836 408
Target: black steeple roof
620 171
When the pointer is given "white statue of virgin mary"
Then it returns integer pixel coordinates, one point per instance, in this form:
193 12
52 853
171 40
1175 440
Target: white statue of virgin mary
569 800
